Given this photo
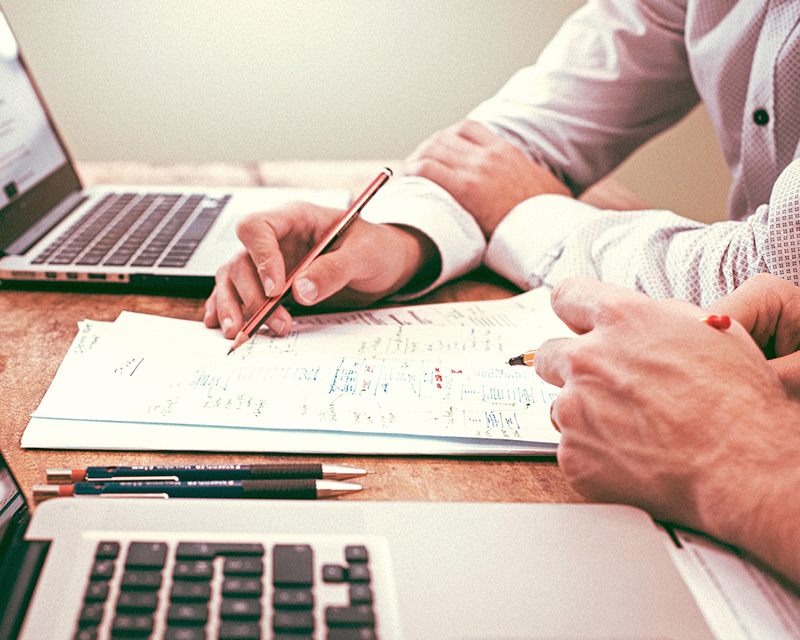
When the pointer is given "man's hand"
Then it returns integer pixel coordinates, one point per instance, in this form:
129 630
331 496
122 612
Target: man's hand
486 174
666 413
769 308
370 262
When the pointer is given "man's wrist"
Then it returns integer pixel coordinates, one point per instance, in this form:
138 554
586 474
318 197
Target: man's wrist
752 500
422 260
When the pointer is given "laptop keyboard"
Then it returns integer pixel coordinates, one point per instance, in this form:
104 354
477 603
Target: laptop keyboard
230 591
142 230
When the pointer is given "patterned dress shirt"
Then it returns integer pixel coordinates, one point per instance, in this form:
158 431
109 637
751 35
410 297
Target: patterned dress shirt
617 73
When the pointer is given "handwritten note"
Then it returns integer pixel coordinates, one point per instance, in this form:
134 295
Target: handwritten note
437 370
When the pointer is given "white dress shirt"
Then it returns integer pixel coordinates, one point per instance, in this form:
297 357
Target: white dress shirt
617 73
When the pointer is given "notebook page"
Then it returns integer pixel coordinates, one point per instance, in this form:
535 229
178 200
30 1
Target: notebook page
393 379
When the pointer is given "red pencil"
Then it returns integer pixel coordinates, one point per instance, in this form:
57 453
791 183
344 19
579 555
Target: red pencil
337 229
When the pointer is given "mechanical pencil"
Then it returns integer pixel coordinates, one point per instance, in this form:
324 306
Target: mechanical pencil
176 473
303 489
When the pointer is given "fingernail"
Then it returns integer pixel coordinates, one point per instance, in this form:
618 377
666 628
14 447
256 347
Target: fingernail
306 289
226 324
278 326
269 285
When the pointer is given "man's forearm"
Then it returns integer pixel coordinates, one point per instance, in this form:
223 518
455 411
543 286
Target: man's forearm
548 238
751 498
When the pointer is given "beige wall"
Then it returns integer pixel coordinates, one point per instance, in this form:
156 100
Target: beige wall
682 170
175 80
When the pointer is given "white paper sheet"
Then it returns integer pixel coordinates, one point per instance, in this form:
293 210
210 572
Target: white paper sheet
435 372
737 598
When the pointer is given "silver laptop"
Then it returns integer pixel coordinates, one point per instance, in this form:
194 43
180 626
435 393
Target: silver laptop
183 569
158 239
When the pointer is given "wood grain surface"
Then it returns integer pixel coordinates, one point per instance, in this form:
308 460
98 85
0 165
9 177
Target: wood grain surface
37 327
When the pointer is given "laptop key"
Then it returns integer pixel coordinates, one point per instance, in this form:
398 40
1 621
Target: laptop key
97 591
91 614
210 550
243 587
356 553
342 633
240 549
358 616
144 580
240 609
145 601
103 569
190 591
292 565
146 555
185 633
283 598
187 613
360 594
358 573
293 621
132 626
241 631
193 570
333 573
107 549
243 566
89 633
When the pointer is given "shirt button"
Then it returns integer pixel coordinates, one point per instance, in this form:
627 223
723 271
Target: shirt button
760 117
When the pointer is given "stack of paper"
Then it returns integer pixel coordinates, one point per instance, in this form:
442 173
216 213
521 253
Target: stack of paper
409 380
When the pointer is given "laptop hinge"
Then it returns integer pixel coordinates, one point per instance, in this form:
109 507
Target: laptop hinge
24 242
21 572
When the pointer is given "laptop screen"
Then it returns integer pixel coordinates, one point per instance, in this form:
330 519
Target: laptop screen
12 503
35 171
13 516
29 149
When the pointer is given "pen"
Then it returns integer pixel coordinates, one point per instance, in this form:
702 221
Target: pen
717 322
176 473
525 359
337 229
303 489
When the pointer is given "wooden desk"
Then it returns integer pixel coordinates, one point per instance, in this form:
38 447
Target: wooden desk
36 329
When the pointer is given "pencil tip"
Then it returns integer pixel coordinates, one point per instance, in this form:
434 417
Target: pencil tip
516 360
241 338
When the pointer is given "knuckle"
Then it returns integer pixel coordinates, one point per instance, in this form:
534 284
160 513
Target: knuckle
248 225
568 461
337 272
580 362
493 156
466 126
619 312
762 278
422 168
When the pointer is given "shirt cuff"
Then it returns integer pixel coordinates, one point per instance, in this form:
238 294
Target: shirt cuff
530 239
423 205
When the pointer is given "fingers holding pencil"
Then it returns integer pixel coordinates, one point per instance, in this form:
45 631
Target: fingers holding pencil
307 291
